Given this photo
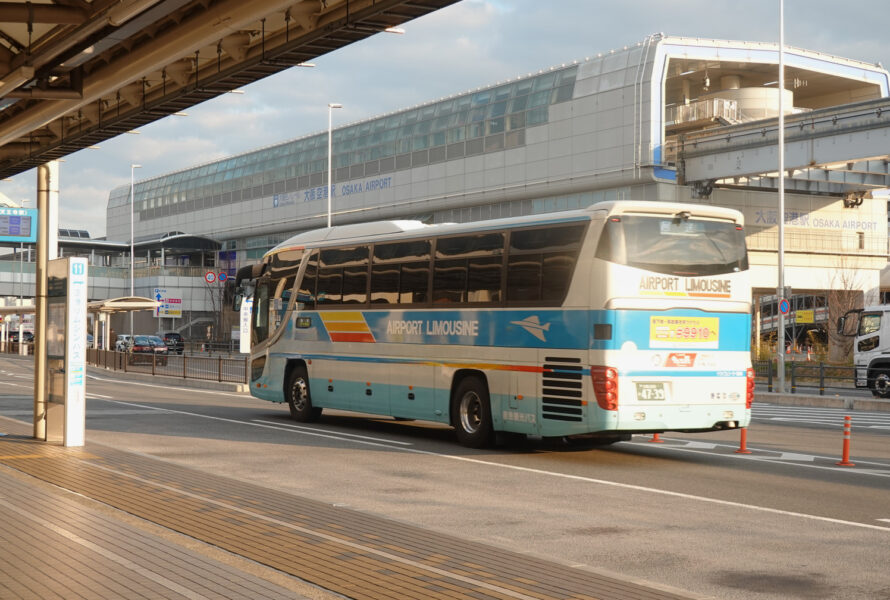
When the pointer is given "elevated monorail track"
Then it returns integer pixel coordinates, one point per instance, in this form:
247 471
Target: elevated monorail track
842 150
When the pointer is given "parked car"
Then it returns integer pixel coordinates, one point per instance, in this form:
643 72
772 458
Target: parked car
122 343
145 349
174 341
27 336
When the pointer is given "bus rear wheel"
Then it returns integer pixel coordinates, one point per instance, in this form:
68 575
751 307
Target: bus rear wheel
471 408
298 397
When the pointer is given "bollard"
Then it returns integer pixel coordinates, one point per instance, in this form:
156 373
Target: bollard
743 442
655 439
845 460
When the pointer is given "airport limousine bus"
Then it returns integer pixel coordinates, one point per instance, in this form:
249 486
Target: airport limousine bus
625 317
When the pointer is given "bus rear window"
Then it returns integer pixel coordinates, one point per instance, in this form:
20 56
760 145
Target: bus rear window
674 245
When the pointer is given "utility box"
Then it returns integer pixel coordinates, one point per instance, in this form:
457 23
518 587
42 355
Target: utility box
66 347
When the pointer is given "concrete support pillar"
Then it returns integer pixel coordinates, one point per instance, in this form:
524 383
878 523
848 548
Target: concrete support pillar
47 248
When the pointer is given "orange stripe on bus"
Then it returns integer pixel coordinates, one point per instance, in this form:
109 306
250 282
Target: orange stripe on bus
346 327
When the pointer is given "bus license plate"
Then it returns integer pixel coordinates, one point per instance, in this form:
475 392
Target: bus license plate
651 390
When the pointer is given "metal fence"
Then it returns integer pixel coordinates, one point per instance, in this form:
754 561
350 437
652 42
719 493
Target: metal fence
806 376
13 348
209 368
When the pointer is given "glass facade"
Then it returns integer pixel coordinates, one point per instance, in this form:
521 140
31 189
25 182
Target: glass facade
487 120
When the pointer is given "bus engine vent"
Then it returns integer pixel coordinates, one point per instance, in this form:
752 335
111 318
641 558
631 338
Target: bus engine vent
562 389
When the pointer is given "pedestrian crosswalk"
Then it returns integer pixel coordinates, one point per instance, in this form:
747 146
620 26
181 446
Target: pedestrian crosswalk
826 417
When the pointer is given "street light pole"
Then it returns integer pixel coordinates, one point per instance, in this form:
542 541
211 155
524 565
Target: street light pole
780 290
331 107
132 203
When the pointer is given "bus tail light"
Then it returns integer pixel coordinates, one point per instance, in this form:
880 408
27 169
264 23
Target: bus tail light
605 386
749 396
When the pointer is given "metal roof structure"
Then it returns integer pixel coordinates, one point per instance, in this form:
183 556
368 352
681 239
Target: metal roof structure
108 306
76 72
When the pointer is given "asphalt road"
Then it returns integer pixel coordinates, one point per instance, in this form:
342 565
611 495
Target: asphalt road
784 522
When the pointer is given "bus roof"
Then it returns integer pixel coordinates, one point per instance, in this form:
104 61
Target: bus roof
368 232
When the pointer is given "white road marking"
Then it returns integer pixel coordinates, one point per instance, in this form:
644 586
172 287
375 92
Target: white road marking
771 456
702 445
658 491
303 428
604 482
794 456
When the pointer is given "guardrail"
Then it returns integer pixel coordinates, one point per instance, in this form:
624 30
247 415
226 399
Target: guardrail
808 375
208 368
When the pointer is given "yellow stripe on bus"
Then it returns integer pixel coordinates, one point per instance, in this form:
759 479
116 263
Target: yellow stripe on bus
340 316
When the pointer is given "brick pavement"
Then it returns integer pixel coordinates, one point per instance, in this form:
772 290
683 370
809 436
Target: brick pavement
81 552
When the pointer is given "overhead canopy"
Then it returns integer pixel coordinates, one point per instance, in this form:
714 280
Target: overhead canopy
76 72
124 304
112 305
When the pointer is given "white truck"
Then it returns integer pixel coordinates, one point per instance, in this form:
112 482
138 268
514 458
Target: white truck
871 346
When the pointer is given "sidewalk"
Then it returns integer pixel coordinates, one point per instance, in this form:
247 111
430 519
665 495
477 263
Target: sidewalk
96 522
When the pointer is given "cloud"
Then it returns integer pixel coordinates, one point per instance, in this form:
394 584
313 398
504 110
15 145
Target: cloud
466 45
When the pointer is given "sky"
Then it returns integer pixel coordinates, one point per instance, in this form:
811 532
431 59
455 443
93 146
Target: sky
470 44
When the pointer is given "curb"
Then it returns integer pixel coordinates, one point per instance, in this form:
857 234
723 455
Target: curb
846 402
199 384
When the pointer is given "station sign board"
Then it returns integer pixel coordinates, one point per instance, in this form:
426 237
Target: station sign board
18 224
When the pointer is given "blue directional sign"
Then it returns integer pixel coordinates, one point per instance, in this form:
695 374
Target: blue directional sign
18 224
784 306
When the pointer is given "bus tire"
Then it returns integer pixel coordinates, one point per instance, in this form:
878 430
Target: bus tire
299 400
881 383
471 408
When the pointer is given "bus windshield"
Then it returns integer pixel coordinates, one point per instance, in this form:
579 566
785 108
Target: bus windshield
674 245
272 295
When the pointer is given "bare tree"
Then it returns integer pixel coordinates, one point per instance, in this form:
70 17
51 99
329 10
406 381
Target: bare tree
845 294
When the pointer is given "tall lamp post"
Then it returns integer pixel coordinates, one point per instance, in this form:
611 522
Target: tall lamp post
780 289
331 107
132 203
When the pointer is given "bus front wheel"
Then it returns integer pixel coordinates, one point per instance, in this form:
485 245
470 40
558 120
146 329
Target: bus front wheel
298 398
472 410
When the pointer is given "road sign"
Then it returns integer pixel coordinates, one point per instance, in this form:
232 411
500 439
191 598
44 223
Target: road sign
784 306
169 302
222 276
209 276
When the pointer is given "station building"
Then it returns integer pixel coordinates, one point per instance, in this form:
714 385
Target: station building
620 124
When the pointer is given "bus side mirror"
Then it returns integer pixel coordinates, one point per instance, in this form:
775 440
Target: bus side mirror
236 301
841 321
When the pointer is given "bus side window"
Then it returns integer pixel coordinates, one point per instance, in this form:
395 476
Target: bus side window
414 283
343 276
385 284
400 272
541 263
467 268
